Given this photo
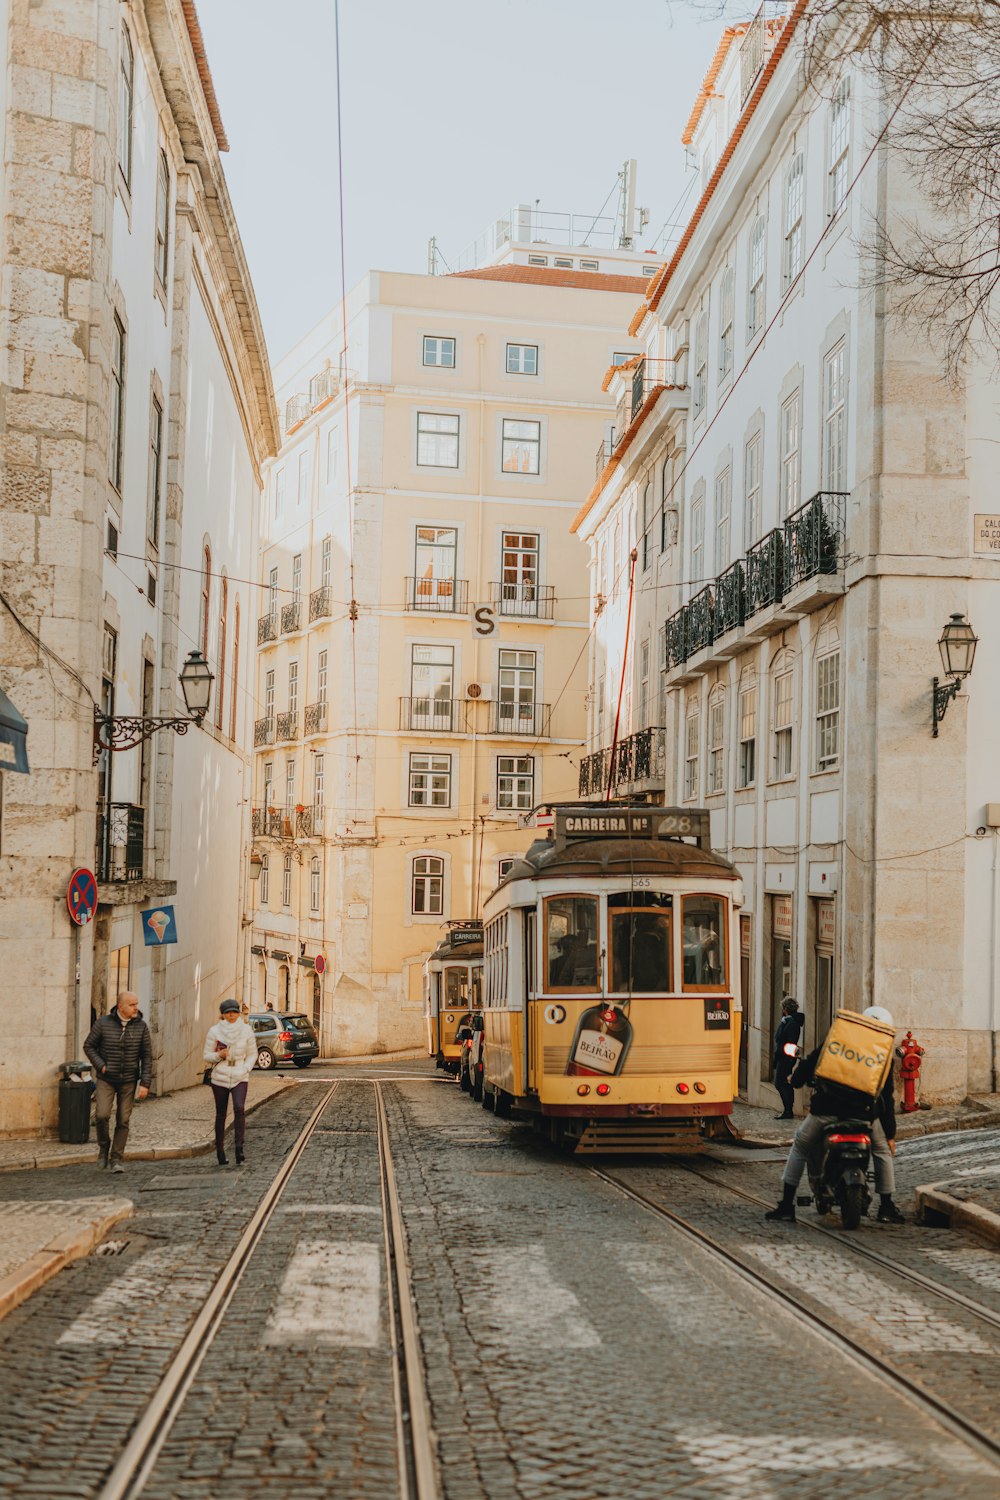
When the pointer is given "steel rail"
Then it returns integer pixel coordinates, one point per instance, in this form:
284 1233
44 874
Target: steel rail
417 1463
135 1464
840 1237
943 1413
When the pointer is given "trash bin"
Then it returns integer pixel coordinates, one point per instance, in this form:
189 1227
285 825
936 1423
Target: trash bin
76 1088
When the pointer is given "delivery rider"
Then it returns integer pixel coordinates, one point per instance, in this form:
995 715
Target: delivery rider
832 1102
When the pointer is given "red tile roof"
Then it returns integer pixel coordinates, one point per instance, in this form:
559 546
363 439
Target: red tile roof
204 72
708 87
593 281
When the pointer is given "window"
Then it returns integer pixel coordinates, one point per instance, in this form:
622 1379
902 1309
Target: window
794 192
789 487
220 686
717 742
571 942
326 563
293 688
726 315
297 578
752 468
314 884
432 682
332 454
522 445
279 491
698 540
436 556
116 444
755 278
639 929
302 489
692 739
666 495
126 92
519 581
272 591
265 880
538 260
321 677
646 506
269 696
703 942
516 703
206 600
828 711
563 261
155 470
319 782
748 735
643 685
840 139
515 782
590 265
439 352
430 781
268 782
522 359
235 672
834 421
504 866
427 886
162 219
437 440
286 882
700 393
289 785
783 724
723 507
620 357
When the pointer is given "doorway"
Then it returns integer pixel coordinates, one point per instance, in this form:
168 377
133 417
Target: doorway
746 994
781 971
824 976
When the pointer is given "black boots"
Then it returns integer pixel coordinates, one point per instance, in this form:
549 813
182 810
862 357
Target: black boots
222 1158
786 1208
239 1156
888 1213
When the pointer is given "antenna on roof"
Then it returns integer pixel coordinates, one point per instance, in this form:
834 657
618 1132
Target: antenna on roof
432 256
627 226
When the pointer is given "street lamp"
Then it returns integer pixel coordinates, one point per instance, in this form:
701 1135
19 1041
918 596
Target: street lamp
958 651
125 731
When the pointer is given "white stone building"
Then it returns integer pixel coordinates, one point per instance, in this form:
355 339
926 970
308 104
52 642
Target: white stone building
802 487
137 411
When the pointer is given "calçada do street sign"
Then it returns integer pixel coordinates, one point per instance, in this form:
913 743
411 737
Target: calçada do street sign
81 896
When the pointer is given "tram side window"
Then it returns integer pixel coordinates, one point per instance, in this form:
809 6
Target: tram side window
640 946
704 942
477 987
571 942
456 986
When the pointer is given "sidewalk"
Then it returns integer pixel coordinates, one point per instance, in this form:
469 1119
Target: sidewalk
756 1125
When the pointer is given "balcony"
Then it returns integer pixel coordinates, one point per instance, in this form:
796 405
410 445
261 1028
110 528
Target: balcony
323 386
814 538
647 376
290 614
267 628
309 821
757 44
594 774
640 765
527 720
321 602
730 600
287 726
314 719
296 411
523 601
121 842
604 452
700 627
765 572
438 595
263 732
270 823
432 715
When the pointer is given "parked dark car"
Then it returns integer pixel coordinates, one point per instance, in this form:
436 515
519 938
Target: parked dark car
284 1037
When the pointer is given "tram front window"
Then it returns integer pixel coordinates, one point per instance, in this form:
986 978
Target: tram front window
477 988
640 944
704 942
571 942
456 987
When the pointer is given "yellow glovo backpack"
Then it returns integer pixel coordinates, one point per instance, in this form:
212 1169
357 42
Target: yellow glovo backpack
857 1053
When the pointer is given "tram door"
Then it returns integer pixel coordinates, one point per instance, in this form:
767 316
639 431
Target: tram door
746 991
781 970
824 991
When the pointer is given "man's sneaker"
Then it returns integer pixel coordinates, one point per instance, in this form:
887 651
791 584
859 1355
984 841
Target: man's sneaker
888 1213
784 1211
116 1166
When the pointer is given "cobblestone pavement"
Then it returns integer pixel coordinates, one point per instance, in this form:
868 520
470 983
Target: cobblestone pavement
574 1345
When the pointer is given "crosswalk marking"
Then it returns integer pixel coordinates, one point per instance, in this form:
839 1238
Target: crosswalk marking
518 1304
330 1294
158 1282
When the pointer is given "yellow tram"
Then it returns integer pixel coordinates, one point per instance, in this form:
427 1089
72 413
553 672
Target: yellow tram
611 981
453 985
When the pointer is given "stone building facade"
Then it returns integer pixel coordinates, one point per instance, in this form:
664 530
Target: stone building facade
135 413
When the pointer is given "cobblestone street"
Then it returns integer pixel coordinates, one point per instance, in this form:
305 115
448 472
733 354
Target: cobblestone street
572 1342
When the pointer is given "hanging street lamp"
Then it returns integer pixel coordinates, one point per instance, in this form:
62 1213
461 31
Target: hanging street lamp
125 731
958 651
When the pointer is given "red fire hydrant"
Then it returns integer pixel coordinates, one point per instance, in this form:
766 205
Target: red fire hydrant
909 1054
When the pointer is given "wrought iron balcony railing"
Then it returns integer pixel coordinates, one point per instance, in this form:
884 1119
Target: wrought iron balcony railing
270 822
523 601
529 720
594 773
814 538
290 615
765 572
700 627
604 452
267 628
730 599
675 639
320 602
647 375
314 718
286 726
263 732
441 595
433 715
121 842
639 759
309 821
296 410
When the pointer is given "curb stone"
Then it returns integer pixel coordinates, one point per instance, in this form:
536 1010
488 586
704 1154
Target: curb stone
932 1200
39 1268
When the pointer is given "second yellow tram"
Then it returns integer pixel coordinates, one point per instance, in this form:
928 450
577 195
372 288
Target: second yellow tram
453 986
611 981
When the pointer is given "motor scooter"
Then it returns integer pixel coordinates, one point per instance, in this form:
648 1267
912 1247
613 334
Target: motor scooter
843 1177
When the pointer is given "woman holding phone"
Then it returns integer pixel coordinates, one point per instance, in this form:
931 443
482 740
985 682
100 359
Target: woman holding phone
231 1048
786 1053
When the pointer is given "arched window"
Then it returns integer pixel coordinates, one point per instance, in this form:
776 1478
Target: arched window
265 879
746 771
717 739
782 699
427 886
755 278
221 684
235 675
692 749
206 600
647 504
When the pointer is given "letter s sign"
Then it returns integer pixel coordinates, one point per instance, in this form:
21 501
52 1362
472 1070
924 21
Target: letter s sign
485 623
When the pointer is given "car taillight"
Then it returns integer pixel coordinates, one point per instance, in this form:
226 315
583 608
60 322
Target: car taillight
700 1088
849 1140
604 1088
469 1043
682 1088
583 1088
284 1036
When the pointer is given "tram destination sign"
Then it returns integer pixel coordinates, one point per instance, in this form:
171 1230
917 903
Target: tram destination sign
459 935
629 823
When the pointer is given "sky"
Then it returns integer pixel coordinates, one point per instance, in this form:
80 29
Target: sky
452 111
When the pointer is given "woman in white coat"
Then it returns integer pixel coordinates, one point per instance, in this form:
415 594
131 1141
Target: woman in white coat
231 1048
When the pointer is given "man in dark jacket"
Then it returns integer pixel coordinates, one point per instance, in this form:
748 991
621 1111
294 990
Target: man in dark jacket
120 1048
832 1102
787 1036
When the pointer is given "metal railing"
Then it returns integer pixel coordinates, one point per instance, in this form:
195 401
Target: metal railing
121 842
290 614
604 452
263 732
323 386
700 629
675 651
286 726
296 410
730 600
765 572
755 48
309 821
639 759
433 715
314 718
440 595
321 602
526 601
267 628
529 720
814 538
594 773
270 822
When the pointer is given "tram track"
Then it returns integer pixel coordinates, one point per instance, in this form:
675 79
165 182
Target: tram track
943 1412
417 1467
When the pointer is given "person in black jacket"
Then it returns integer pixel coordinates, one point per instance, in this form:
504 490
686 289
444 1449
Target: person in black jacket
120 1048
832 1102
787 1035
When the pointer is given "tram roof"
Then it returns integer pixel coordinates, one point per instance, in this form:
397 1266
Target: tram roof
462 940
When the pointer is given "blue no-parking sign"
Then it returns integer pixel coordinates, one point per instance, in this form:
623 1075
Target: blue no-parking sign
81 896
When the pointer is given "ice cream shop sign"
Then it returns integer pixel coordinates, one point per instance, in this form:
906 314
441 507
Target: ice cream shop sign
159 927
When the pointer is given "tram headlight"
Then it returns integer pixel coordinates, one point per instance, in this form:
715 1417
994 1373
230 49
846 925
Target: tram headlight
700 1088
604 1088
583 1088
682 1088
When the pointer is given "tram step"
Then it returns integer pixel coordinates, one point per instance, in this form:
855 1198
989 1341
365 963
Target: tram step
639 1136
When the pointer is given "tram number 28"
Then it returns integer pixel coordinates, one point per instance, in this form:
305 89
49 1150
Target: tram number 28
675 824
